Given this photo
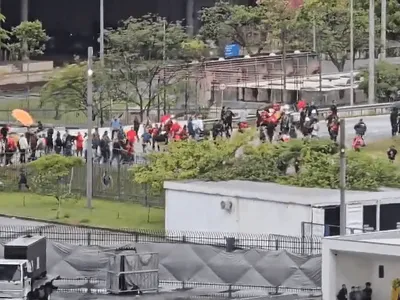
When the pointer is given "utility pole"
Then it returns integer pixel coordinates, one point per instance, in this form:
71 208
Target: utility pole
351 52
342 146
89 150
383 29
102 32
371 69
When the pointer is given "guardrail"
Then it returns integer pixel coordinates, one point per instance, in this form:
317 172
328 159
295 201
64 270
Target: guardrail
344 112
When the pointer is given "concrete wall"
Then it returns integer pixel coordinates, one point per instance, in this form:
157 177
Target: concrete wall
202 212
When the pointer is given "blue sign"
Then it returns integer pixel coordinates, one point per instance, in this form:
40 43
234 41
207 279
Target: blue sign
232 50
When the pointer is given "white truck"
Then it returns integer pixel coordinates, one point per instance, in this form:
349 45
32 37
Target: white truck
23 273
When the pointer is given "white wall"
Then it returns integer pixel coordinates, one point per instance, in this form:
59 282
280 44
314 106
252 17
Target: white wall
353 270
201 212
382 286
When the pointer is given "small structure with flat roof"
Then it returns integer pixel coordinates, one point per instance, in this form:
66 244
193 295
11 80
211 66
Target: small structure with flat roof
264 208
360 258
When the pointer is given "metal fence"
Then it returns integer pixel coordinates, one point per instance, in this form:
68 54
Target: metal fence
321 230
119 187
106 237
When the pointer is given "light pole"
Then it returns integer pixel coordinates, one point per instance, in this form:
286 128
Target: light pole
89 150
371 69
383 29
342 147
102 32
351 52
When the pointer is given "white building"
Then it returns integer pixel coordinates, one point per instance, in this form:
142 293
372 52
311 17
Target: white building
265 208
356 259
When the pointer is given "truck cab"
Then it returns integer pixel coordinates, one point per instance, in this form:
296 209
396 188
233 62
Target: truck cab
23 271
14 280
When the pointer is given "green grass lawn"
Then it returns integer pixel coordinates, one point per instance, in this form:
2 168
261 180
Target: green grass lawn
380 147
105 213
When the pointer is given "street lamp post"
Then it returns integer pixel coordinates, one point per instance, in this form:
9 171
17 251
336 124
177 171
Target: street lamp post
102 32
371 69
351 52
342 147
89 150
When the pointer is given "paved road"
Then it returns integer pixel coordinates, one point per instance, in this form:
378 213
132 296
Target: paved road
378 128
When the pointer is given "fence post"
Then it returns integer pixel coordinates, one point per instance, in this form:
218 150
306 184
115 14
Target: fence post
277 244
302 237
230 291
89 238
183 238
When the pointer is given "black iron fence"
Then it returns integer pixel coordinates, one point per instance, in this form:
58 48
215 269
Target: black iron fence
107 237
114 183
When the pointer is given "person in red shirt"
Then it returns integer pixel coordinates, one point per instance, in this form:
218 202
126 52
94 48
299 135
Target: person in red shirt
301 105
131 136
11 147
79 144
175 128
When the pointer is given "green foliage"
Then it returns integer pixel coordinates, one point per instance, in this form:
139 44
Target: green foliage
67 88
242 24
318 160
332 22
137 53
387 81
50 174
31 38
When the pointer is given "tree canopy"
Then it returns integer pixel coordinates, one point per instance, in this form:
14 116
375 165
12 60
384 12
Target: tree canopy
68 88
51 171
30 39
318 161
387 81
139 51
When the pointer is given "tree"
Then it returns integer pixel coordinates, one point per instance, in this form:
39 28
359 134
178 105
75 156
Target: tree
332 22
319 164
387 81
50 175
225 23
67 88
30 37
138 53
4 34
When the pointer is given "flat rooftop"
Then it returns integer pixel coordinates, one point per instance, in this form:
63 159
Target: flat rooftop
273 192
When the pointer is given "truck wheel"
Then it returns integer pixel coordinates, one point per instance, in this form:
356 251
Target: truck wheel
29 296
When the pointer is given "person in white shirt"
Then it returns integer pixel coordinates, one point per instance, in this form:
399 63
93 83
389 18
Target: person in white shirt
198 127
23 147
315 129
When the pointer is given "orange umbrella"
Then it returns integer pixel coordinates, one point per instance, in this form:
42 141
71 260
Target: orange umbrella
23 117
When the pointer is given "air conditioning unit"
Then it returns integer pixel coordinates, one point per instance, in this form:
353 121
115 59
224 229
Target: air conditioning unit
226 205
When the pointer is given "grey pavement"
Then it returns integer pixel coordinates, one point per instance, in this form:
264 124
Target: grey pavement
378 128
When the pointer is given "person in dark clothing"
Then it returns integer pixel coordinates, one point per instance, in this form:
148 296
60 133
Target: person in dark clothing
360 128
228 119
352 295
136 125
4 132
391 153
342 295
333 109
218 129
190 128
394 120
367 292
58 143
223 111
49 140
116 151
23 181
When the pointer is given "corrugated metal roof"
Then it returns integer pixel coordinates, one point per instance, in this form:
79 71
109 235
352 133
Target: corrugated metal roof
273 192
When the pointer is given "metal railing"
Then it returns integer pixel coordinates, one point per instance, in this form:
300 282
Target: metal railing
106 237
344 111
321 230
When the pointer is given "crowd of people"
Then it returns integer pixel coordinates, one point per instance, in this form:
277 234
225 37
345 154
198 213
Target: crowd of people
356 293
274 123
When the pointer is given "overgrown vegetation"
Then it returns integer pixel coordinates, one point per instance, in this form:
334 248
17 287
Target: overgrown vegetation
318 164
